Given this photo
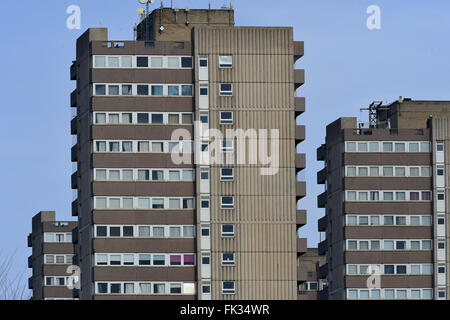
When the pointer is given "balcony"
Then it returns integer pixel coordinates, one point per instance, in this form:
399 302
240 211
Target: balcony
299 49
323 247
302 274
321 153
323 294
300 134
300 106
322 200
73 99
74 179
323 271
75 235
30 283
301 218
74 153
300 190
322 224
299 78
75 260
300 162
30 262
301 246
73 71
75 208
30 240
74 126
322 176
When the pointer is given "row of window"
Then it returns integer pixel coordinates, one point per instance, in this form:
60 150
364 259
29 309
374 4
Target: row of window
145 288
144 203
154 90
386 269
187 175
57 237
143 118
388 195
140 231
388 220
389 245
156 62
387 171
58 281
143 146
58 259
145 259
389 294
388 146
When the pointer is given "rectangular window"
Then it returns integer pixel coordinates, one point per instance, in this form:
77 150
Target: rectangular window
142 89
157 62
157 90
351 147
225 61
173 62
228 230
144 260
186 62
413 147
228 287
186 90
173 90
387 147
226 174
373 147
99 62
227 145
142 62
228 259
226 89
227 202
100 90
226 117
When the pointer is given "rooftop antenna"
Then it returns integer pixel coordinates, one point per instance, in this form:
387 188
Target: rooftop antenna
147 13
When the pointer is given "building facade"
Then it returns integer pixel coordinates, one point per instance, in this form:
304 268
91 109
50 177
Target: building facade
161 218
386 203
52 255
308 275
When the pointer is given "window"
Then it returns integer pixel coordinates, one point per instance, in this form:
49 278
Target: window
351 146
400 245
144 260
203 62
142 62
228 287
227 202
226 117
228 230
374 220
186 90
100 118
388 196
173 90
413 147
373 147
142 90
228 259
227 145
159 288
226 89
425 147
127 62
362 146
157 90
115 260
351 171
375 245
101 231
115 288
374 171
100 90
388 171
387 147
352 245
400 172
113 90
173 62
175 232
186 62
225 61
363 171
203 91
414 196
226 174
388 245
400 147
175 288
102 288
156 62
100 62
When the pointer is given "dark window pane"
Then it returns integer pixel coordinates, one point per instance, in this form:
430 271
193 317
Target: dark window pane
157 118
142 62
128 231
142 117
101 232
186 62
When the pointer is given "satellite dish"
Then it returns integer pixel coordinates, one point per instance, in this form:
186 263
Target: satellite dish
187 9
143 1
140 11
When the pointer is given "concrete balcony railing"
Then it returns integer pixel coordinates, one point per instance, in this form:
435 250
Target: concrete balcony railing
321 153
300 190
73 99
300 106
299 78
300 134
74 126
301 246
75 208
323 271
74 153
322 176
322 224
302 274
300 162
322 200
73 71
323 247
301 218
299 49
74 180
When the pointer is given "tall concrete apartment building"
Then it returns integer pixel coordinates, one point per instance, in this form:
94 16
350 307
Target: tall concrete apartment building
386 202
53 252
151 227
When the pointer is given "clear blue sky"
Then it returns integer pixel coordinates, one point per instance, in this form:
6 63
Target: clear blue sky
347 67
